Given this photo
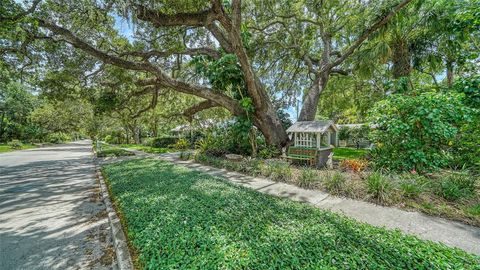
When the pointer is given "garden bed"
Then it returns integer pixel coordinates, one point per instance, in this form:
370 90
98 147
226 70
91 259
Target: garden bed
177 218
449 195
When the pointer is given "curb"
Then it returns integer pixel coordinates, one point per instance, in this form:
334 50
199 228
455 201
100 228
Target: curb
124 260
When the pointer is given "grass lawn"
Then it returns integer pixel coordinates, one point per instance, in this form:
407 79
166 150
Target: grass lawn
6 148
348 153
147 149
176 218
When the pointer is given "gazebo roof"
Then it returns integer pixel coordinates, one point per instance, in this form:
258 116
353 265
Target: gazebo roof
312 126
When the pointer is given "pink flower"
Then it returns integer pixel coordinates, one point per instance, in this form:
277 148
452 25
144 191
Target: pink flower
413 171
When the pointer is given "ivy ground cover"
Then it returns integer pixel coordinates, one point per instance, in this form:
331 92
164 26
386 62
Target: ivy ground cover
177 218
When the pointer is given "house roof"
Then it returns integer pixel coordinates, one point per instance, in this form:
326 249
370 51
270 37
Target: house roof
312 126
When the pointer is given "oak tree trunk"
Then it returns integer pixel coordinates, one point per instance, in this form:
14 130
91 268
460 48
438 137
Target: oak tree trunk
310 102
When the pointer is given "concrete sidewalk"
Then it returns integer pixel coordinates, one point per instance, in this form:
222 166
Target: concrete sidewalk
450 233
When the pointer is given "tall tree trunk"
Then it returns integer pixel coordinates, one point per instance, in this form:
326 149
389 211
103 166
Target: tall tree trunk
450 73
136 135
310 102
401 59
271 127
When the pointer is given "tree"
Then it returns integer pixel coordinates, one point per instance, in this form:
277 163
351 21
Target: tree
199 26
16 103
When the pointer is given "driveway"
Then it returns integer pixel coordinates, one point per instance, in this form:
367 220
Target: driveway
51 212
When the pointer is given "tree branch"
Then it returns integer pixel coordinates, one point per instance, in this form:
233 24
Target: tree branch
162 79
204 105
159 19
188 51
367 33
22 14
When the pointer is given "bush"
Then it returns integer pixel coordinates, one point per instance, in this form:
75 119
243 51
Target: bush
58 137
185 155
216 152
415 132
355 165
307 178
280 170
181 144
269 152
456 186
412 186
344 133
379 187
163 142
15 144
335 183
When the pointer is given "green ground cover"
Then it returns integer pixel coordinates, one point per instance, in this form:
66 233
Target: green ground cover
107 150
7 148
148 149
348 153
177 218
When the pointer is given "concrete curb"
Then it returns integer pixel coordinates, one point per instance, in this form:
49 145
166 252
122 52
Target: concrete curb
124 260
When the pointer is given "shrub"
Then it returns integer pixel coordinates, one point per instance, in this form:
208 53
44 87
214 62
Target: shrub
15 144
253 167
269 152
185 155
412 185
415 132
355 165
280 171
344 133
379 187
456 186
163 142
216 152
307 178
58 137
335 183
181 144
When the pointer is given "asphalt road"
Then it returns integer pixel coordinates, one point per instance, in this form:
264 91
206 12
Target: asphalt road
51 212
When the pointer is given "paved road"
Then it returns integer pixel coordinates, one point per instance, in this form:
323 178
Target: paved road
51 213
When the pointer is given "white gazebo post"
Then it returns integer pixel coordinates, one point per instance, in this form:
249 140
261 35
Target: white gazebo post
328 138
319 137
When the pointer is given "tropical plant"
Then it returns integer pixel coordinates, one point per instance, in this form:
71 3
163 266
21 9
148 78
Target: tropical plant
335 183
379 187
307 178
455 186
181 144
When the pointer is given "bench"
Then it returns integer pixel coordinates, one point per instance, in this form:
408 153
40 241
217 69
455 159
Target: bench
303 153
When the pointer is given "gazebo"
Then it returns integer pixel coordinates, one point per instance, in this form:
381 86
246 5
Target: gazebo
312 141
314 134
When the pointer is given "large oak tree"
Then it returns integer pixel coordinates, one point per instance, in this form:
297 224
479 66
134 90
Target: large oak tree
168 33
